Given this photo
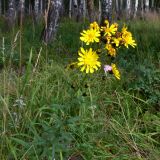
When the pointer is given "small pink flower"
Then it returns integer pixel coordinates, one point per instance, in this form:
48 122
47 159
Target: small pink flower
107 68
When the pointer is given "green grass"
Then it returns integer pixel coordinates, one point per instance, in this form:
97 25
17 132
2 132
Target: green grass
48 111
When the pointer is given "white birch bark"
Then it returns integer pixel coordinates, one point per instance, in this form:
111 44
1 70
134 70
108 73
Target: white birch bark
21 9
135 8
11 13
99 11
121 5
146 5
70 8
106 6
75 3
142 8
82 9
36 10
52 17
117 6
128 9
41 7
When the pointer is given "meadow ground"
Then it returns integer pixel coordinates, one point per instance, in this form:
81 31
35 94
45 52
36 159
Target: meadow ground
50 111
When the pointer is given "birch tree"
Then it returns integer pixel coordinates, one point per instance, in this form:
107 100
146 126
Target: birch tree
81 10
135 8
51 19
36 10
142 8
11 14
146 5
106 6
41 7
128 9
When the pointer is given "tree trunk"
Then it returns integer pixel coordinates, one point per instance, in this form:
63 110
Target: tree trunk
11 13
106 6
41 7
152 5
75 3
70 8
73 9
146 6
36 10
142 9
90 7
128 9
21 9
99 11
81 10
135 8
117 9
52 18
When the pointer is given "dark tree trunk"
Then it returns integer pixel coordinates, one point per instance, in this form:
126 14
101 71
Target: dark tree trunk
21 10
106 6
0 7
90 8
52 18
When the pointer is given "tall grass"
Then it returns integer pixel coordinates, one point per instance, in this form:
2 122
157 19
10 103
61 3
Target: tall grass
61 113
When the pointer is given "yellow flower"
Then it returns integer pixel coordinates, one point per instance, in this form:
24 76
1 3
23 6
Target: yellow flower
88 60
115 71
127 38
94 26
110 30
111 50
116 41
108 38
90 36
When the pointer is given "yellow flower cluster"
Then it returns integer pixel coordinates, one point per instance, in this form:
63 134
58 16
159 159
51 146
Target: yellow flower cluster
109 39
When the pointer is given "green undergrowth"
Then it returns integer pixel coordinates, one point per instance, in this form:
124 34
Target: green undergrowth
49 111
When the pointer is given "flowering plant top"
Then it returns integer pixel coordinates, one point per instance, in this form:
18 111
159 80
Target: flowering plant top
108 38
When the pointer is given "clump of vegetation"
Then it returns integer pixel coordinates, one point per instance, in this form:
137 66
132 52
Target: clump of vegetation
51 111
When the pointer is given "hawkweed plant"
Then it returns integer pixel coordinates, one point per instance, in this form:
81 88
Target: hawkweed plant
105 39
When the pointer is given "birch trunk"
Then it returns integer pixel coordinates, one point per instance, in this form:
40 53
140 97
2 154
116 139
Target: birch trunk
142 9
135 8
81 10
120 8
99 12
11 13
106 6
52 18
74 8
128 9
41 7
36 10
117 9
75 3
146 5
70 8
90 8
